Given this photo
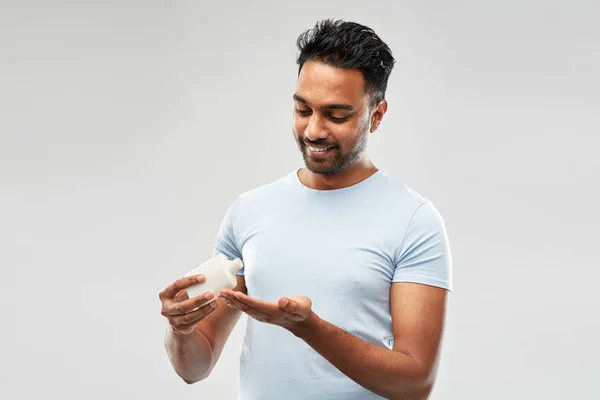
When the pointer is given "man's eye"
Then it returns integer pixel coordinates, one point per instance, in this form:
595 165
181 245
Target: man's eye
335 119
331 117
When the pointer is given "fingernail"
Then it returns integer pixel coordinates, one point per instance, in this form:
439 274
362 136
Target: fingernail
200 278
285 302
209 295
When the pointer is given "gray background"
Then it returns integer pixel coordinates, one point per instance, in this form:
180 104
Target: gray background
128 127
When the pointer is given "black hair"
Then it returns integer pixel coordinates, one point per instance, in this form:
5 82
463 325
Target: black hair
343 44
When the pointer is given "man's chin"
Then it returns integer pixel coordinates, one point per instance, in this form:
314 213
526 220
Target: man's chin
321 169
322 166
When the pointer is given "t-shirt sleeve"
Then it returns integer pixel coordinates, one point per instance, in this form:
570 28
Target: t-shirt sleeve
225 241
425 253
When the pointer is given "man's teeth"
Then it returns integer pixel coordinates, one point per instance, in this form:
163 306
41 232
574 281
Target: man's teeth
318 150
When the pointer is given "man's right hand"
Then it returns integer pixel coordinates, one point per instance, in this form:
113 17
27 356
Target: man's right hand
181 311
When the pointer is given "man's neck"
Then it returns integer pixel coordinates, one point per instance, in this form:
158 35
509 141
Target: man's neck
348 177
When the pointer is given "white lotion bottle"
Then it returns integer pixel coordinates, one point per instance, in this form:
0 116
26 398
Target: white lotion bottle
220 274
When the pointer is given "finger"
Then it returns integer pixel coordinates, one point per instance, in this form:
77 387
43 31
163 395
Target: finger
252 312
179 285
264 306
304 303
181 296
290 308
186 306
287 304
192 318
266 310
233 302
226 293
298 305
293 308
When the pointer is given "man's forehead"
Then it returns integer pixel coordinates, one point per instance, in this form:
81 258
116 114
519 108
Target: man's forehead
323 84
331 104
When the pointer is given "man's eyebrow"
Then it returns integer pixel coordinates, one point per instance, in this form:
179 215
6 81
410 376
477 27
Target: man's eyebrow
346 107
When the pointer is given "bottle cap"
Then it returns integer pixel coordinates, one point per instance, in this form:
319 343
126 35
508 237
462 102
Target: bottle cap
235 265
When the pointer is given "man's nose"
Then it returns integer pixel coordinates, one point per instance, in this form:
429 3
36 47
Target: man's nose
316 129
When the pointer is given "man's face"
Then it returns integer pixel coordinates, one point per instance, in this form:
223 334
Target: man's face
331 117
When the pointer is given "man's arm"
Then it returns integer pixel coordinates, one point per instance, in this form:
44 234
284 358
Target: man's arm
194 354
408 370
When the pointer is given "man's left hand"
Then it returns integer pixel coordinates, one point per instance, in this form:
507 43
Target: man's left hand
291 313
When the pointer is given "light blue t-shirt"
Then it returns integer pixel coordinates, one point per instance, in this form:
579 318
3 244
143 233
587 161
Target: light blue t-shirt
342 248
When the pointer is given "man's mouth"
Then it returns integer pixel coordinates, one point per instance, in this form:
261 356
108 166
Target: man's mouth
319 149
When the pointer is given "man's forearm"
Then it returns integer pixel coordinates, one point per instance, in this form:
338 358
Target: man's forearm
388 373
191 355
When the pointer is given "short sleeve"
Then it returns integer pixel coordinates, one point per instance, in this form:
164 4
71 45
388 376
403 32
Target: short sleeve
225 241
425 253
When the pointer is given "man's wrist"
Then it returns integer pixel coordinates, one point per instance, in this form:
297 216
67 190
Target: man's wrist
178 334
307 327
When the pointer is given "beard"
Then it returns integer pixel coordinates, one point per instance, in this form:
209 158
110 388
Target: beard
337 159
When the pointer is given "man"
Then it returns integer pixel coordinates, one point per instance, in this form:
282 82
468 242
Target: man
346 270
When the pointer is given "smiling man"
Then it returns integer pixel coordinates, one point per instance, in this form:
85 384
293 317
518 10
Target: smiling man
346 270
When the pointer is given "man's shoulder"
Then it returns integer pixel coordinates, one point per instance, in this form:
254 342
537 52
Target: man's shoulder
264 194
269 188
417 210
398 193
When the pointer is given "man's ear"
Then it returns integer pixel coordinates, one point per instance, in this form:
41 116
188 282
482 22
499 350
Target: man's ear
377 114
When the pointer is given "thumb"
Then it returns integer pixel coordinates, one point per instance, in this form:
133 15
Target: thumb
304 304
